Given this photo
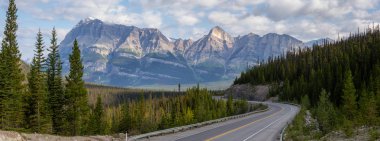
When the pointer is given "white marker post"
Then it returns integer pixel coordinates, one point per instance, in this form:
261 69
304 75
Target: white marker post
126 136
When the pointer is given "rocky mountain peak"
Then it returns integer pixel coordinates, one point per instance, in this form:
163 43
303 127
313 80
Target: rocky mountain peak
116 54
88 20
218 32
252 34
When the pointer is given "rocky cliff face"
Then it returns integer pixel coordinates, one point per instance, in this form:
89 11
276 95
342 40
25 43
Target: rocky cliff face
126 55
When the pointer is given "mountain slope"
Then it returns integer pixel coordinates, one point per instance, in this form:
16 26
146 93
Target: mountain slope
250 49
122 55
127 55
318 42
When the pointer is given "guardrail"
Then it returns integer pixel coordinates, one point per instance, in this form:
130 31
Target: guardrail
191 126
286 126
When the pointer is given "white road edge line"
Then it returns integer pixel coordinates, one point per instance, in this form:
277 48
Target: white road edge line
291 110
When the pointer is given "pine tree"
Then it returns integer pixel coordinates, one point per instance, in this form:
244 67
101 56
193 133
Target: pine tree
305 102
125 120
11 83
376 87
97 124
230 106
367 107
188 116
38 116
349 106
325 113
55 86
76 94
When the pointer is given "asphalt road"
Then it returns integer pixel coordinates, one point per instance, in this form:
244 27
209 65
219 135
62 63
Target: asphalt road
264 126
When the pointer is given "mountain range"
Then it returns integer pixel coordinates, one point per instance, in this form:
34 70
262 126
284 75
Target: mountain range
121 55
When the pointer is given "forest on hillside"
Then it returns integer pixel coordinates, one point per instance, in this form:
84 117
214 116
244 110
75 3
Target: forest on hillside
151 114
113 96
339 82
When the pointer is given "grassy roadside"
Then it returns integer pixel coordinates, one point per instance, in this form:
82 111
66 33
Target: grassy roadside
306 127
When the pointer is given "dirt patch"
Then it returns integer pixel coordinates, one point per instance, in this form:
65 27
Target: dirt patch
10 136
361 134
249 92
15 136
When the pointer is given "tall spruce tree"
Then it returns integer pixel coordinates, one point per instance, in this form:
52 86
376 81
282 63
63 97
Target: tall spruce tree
76 94
125 119
97 123
367 108
325 113
38 115
230 106
55 86
376 86
349 106
11 83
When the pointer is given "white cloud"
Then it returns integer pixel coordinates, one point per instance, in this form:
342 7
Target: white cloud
364 4
72 10
249 2
284 8
304 19
208 3
185 17
187 20
152 19
225 18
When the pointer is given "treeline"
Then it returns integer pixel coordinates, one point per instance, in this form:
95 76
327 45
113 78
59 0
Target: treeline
113 96
148 114
44 104
341 80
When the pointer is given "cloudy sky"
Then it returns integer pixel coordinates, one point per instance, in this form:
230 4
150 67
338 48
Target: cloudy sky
303 19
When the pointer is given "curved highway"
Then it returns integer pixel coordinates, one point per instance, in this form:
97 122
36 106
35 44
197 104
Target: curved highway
265 126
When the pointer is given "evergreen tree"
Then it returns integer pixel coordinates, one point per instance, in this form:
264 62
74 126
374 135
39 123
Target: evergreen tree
230 106
325 113
349 106
165 121
305 102
55 86
76 94
188 116
367 108
38 116
125 121
376 86
11 82
97 124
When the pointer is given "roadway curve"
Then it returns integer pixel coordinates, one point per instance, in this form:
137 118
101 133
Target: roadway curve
264 126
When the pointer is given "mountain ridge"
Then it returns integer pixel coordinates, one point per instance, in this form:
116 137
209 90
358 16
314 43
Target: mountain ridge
121 55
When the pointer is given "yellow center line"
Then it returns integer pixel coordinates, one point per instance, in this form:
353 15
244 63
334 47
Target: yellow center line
233 130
